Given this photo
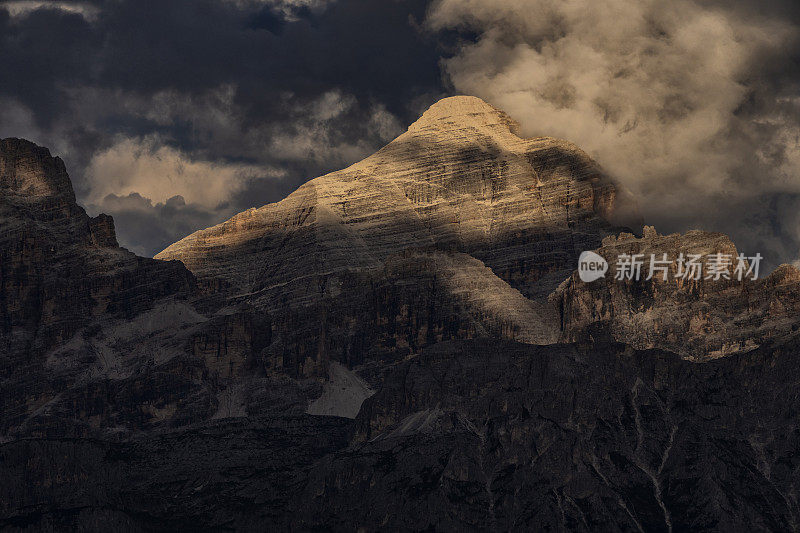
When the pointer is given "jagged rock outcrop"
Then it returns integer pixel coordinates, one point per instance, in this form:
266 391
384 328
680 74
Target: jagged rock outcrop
698 319
60 267
492 435
60 270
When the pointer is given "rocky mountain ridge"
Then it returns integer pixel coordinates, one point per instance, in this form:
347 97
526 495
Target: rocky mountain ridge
403 344
698 319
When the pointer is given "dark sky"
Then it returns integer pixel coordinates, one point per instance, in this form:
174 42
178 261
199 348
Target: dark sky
227 104
174 115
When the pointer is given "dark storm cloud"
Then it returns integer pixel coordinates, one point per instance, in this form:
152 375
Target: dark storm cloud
364 48
275 91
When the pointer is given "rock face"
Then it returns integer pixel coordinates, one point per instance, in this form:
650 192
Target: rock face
459 179
514 212
60 270
378 352
93 337
471 435
698 319
503 436
60 267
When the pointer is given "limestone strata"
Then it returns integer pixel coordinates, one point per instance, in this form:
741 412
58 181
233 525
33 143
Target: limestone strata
699 319
466 224
459 179
416 299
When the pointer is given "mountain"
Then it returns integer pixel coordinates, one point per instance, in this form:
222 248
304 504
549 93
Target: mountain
482 223
400 345
94 338
459 179
60 272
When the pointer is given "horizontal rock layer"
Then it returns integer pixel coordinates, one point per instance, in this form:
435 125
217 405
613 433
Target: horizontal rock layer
457 180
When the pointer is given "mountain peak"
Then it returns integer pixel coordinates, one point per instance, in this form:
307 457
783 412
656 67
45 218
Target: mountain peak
458 180
464 111
39 186
28 169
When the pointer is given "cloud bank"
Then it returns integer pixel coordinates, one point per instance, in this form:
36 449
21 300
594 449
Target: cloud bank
157 171
690 104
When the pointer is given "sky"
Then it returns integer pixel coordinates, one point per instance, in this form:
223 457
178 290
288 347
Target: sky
174 115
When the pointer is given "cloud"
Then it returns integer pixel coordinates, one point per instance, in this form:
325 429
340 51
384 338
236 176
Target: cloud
287 8
158 194
74 73
146 228
325 130
687 103
16 120
229 165
20 8
330 130
157 171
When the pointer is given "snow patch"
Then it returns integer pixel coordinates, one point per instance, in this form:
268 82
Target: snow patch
342 394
